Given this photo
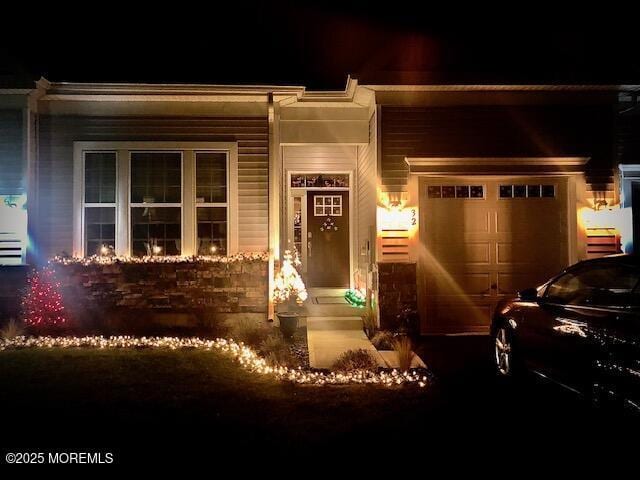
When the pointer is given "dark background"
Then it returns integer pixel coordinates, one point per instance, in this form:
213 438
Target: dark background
317 46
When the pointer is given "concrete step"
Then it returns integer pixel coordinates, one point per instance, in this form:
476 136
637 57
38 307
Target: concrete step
332 310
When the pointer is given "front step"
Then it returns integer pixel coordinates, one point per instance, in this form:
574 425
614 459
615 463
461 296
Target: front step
332 310
330 302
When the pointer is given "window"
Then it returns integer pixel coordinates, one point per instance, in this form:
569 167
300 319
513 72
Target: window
99 202
455 191
156 198
527 191
211 202
599 284
320 180
156 203
328 205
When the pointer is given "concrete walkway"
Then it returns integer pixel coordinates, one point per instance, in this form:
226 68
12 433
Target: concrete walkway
330 337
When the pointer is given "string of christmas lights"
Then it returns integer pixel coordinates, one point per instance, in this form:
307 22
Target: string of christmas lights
244 355
42 304
288 284
110 260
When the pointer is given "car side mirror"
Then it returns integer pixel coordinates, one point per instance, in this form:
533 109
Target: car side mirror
528 295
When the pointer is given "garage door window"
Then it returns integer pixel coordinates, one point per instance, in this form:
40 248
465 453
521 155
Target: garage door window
527 191
455 191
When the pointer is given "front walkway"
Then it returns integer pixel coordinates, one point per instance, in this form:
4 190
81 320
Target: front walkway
330 337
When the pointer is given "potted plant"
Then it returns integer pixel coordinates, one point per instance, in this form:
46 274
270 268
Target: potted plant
288 294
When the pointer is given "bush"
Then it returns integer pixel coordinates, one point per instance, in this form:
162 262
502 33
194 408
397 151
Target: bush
369 323
352 360
12 330
249 332
403 348
276 350
383 340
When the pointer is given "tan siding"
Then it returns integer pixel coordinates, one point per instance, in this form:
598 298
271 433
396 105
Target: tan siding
12 166
495 131
320 158
57 135
367 194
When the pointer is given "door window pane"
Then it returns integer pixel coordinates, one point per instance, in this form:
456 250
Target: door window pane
156 231
156 177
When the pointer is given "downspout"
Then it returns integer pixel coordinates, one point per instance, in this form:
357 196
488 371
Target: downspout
274 201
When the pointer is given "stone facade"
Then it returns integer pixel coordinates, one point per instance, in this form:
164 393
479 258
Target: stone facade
397 294
183 294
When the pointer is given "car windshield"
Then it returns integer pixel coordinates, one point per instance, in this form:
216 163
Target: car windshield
597 284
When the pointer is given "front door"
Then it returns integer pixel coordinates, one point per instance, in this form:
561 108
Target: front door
328 238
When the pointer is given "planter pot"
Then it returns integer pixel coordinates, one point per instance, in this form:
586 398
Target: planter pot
288 324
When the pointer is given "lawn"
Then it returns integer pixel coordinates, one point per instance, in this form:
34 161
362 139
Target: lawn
151 401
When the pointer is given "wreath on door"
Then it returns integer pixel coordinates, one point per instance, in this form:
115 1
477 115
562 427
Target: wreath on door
328 228
329 225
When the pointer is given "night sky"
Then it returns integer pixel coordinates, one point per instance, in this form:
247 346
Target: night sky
318 46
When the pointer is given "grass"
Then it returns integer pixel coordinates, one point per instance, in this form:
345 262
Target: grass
156 402
167 390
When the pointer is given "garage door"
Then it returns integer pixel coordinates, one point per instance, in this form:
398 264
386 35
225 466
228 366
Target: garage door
485 239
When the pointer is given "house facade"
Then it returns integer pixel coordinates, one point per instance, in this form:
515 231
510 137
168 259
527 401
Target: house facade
440 199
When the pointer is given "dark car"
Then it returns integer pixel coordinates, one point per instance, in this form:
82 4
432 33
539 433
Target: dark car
580 329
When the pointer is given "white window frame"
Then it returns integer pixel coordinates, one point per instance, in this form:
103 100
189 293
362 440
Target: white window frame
123 191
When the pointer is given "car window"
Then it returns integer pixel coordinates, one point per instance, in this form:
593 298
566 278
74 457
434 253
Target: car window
597 285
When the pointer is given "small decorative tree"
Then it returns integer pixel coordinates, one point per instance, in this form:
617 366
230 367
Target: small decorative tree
42 305
289 292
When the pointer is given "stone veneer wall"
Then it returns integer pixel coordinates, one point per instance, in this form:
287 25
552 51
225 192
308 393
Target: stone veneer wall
187 294
397 290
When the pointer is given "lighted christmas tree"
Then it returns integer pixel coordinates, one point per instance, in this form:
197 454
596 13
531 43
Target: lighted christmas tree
289 287
42 304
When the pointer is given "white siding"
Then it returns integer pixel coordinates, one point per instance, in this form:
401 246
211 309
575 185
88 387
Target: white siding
319 158
366 196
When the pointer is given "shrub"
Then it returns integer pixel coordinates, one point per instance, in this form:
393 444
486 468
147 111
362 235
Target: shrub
369 323
352 360
250 332
276 350
403 348
383 340
12 330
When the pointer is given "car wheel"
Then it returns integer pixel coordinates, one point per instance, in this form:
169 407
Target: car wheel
503 352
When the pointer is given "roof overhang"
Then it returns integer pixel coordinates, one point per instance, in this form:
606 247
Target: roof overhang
496 165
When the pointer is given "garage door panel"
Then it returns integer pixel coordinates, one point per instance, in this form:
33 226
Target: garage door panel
512 282
520 222
457 283
455 317
459 253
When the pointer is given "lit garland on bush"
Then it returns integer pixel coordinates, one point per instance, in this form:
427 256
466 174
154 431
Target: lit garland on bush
357 298
243 354
111 260
288 285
